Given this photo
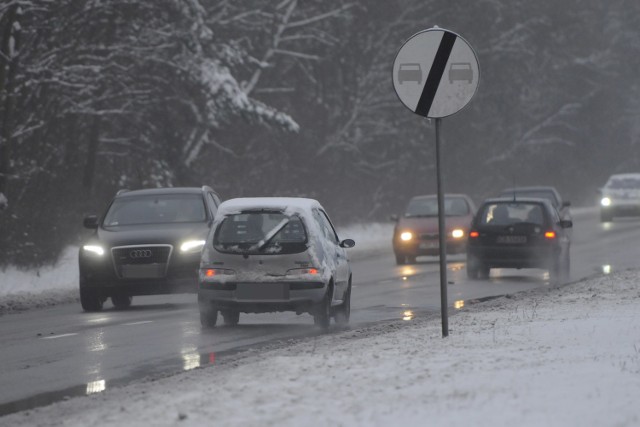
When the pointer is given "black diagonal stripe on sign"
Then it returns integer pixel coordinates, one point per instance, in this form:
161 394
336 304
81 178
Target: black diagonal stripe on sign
435 74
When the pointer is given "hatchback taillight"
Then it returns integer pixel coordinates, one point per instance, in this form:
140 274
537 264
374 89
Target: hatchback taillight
550 234
474 234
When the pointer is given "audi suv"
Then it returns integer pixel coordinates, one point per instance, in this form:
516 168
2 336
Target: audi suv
147 242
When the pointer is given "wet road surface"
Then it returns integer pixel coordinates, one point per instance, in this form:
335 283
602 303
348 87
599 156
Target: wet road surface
51 353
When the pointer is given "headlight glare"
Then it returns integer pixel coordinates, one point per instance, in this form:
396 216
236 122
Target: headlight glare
94 249
406 236
192 246
457 233
605 201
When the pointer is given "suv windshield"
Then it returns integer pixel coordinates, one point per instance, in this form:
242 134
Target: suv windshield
511 213
453 206
156 209
261 232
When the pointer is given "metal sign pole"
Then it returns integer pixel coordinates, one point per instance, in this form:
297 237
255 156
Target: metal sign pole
451 79
442 237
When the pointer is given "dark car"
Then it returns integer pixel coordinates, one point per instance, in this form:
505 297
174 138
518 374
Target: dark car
525 233
542 192
148 242
416 232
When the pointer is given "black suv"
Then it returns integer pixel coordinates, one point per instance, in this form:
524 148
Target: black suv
148 242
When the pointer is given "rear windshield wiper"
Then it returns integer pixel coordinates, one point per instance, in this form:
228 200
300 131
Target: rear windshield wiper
271 234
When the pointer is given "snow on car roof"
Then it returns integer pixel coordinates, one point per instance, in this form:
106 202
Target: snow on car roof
290 204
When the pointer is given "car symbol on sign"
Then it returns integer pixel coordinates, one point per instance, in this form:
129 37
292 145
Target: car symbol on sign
460 71
410 73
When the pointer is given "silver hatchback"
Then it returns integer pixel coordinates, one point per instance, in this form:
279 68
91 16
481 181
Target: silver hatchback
274 254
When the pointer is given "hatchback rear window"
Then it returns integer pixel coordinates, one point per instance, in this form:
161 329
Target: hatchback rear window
156 209
511 213
261 233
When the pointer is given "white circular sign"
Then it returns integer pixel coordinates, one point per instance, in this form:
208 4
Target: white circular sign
435 73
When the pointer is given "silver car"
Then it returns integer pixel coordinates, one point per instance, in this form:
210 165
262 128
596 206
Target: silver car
274 254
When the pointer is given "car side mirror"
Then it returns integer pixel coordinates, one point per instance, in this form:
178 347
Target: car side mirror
347 243
566 204
566 223
394 218
90 221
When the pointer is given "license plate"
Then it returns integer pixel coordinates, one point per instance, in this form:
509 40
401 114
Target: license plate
512 239
428 245
146 271
262 291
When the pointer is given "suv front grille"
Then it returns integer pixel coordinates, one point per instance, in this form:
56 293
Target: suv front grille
141 261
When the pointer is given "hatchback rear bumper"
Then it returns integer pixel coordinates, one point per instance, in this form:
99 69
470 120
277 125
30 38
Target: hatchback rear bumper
258 297
514 257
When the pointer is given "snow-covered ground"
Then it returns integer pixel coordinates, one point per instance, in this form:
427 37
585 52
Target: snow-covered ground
564 356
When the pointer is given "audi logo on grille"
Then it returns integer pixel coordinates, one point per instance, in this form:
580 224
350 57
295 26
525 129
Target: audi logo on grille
140 253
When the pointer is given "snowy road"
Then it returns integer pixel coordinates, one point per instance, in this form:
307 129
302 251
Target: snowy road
50 353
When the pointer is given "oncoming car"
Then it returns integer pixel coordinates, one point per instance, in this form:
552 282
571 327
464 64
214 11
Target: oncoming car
274 254
148 242
416 232
526 233
620 197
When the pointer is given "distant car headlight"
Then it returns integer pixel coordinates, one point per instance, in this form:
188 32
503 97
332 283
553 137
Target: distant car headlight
605 201
406 236
457 233
94 249
192 246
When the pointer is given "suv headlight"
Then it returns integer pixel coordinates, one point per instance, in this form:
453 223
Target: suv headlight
606 201
192 246
95 250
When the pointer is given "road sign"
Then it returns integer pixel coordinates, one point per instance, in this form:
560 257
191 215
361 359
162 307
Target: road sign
435 73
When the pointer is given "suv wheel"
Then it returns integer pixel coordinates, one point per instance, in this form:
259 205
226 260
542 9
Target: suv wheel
230 317
121 301
605 216
401 259
90 300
